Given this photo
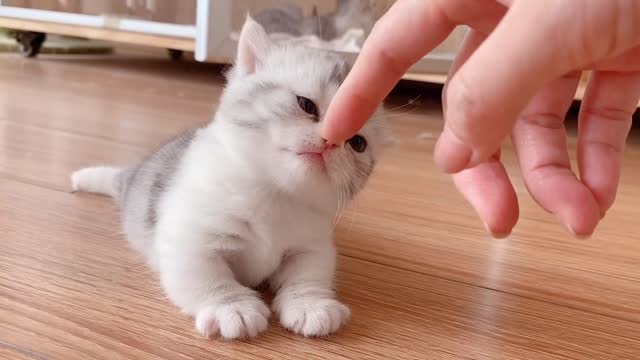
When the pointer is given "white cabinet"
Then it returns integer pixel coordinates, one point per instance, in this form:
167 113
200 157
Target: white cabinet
205 27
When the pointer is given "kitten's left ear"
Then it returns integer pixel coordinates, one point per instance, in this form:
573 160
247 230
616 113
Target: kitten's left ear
253 47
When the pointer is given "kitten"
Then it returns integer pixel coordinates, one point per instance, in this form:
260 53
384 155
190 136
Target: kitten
349 14
250 197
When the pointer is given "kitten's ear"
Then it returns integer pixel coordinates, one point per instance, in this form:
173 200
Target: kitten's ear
253 46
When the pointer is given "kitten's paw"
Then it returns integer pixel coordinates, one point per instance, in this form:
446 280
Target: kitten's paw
312 316
242 319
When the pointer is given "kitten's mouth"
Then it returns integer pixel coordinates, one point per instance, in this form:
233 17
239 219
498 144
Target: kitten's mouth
316 156
313 156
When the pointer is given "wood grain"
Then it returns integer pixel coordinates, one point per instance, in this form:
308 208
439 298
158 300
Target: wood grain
421 277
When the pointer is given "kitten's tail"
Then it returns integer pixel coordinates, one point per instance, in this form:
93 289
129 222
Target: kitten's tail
99 179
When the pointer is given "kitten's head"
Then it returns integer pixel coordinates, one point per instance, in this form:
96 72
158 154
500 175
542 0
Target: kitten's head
273 108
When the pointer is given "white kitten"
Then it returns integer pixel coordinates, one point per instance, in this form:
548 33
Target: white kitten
251 197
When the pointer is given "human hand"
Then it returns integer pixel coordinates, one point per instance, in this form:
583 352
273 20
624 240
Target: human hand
516 73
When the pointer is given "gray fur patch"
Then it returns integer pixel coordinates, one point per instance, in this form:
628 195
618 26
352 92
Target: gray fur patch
366 167
363 170
339 72
254 92
261 87
247 101
157 189
125 179
352 189
142 187
170 155
292 20
247 124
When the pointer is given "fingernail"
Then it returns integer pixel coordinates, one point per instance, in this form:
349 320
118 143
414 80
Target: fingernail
328 143
575 234
497 236
500 236
325 135
451 155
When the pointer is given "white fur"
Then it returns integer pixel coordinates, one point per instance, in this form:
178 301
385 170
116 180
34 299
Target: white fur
244 207
98 179
282 226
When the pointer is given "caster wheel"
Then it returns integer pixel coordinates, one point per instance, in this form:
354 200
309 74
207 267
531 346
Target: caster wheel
175 55
30 43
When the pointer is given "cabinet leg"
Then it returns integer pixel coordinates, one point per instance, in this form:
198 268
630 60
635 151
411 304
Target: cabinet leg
175 55
30 42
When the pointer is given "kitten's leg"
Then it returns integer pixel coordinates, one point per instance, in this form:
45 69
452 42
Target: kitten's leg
201 282
305 300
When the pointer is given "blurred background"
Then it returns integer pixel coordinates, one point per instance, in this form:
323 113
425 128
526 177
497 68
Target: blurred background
205 30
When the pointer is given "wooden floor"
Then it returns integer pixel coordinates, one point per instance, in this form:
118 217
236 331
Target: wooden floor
421 277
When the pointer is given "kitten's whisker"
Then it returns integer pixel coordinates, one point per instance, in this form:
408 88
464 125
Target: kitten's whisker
385 116
339 199
336 217
348 183
353 216
410 102
342 195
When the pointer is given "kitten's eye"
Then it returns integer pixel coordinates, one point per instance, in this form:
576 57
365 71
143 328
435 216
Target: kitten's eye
307 105
358 143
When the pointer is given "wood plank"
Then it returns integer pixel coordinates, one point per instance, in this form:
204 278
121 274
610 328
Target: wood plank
41 156
422 278
87 100
78 291
427 227
129 37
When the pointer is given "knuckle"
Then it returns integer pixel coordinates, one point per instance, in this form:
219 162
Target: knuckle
476 123
606 147
605 128
547 120
612 114
468 107
600 29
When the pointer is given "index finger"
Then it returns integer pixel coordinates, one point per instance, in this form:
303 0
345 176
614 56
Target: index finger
398 40
408 31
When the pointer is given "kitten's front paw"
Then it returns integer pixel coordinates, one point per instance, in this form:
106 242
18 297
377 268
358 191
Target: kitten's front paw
242 319
313 316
